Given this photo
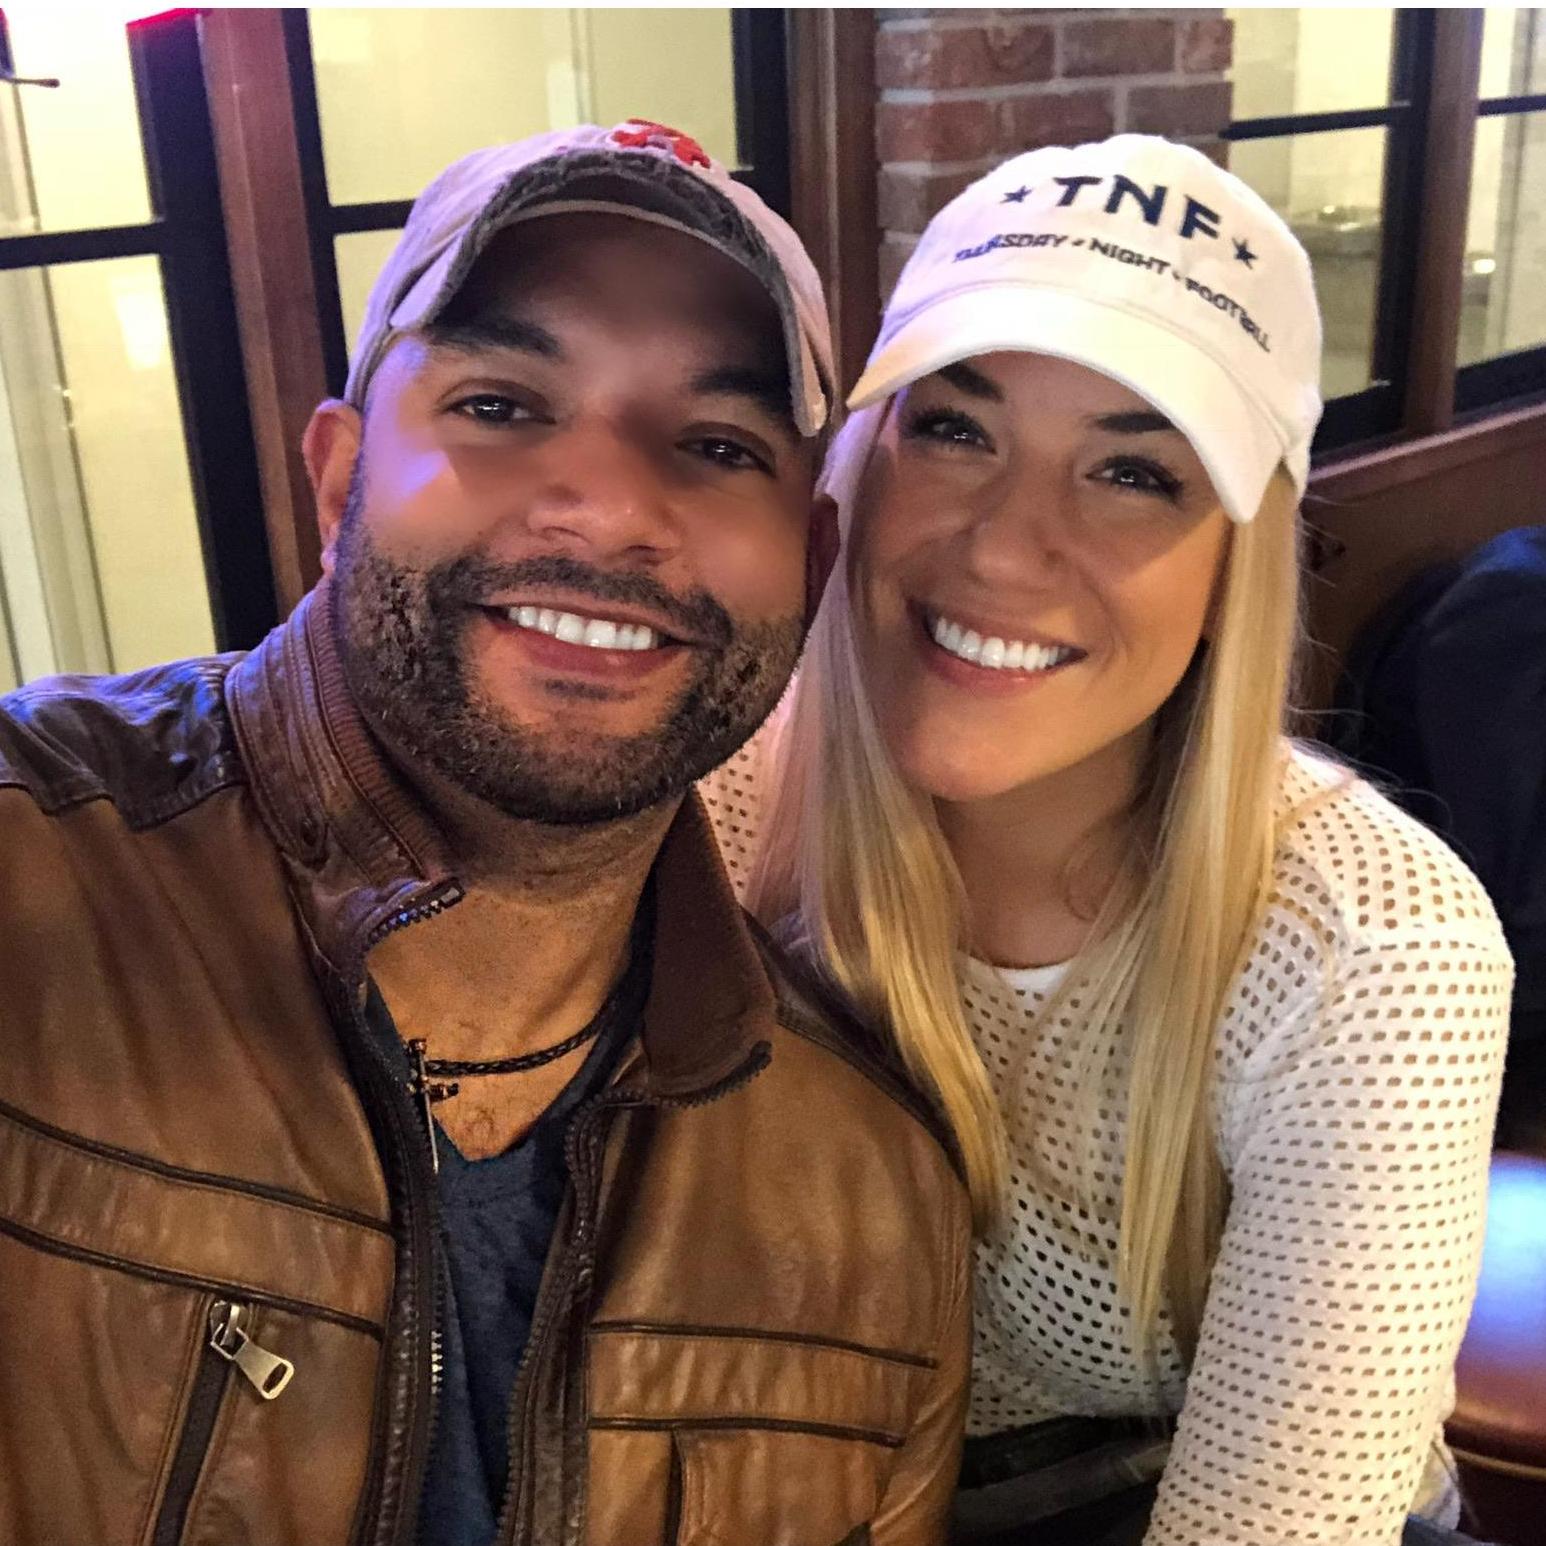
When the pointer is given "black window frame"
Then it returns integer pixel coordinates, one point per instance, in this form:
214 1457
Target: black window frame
1501 379
186 233
760 64
1379 413
1377 410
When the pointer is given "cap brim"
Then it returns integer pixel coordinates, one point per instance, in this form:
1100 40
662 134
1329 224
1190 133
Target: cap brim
1232 437
620 188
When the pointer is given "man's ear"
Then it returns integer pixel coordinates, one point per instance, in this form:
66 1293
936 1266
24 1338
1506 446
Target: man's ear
820 552
331 447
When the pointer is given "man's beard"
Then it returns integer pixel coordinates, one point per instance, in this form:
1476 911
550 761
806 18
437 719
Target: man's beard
401 634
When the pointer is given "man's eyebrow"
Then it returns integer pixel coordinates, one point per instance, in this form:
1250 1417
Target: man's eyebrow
1140 421
768 389
474 334
964 379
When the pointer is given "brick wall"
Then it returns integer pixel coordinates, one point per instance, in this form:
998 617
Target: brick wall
962 90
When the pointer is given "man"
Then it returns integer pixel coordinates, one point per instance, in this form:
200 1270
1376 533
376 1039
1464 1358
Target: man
402 1135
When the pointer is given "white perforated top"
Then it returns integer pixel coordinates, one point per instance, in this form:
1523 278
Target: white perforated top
1357 1080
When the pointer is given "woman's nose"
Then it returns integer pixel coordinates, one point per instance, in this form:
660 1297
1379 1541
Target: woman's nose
1015 534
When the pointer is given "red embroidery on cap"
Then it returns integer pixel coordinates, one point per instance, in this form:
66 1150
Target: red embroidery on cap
641 133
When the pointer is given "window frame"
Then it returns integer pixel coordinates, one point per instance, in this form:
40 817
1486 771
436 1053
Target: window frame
1430 121
281 226
1500 379
760 72
185 235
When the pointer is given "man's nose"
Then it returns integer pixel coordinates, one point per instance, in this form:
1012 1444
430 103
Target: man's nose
606 495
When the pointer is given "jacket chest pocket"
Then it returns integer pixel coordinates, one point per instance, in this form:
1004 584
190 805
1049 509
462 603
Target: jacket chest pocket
783 1488
197 1358
269 1444
726 1438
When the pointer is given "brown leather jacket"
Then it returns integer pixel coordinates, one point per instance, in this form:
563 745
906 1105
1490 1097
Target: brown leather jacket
753 1325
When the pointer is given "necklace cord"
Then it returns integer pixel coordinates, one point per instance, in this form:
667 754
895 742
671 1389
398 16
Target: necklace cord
469 1068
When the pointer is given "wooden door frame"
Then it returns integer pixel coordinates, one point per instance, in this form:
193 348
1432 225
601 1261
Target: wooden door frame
247 77
834 170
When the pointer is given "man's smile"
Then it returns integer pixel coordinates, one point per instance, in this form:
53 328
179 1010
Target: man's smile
564 643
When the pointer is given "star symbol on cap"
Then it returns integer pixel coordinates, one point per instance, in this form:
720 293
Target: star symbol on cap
1017 196
1243 253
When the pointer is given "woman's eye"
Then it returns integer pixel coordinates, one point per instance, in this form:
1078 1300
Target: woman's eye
729 454
491 408
1141 477
946 428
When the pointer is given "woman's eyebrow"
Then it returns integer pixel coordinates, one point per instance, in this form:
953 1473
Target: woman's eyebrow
972 382
1141 421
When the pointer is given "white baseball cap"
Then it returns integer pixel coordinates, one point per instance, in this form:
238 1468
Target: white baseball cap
640 169
1142 260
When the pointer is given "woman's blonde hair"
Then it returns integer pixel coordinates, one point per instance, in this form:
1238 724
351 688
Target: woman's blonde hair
859 865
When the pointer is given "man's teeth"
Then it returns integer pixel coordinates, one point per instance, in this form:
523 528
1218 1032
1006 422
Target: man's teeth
995 653
596 632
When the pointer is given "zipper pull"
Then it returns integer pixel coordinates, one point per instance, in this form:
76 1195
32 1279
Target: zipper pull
267 1373
427 1092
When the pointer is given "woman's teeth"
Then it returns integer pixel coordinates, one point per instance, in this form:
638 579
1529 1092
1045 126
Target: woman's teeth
596 632
997 654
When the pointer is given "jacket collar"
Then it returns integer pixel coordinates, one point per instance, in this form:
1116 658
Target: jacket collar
364 857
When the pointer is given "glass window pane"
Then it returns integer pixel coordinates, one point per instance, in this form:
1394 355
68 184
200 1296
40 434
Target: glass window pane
101 566
1503 306
402 93
72 157
360 256
1311 60
1513 51
674 66
1329 187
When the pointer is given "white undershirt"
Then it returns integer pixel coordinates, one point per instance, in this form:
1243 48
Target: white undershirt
1357 1070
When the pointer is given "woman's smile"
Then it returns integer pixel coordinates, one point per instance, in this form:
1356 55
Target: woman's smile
989 657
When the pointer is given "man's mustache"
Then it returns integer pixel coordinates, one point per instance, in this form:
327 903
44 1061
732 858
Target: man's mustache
469 580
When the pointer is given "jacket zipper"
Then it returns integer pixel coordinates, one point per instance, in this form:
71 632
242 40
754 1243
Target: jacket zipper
420 1222
552 1298
227 1346
578 1261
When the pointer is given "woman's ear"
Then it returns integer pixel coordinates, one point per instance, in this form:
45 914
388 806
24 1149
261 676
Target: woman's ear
331 448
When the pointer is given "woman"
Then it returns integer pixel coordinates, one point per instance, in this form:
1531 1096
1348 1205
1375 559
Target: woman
1218 1029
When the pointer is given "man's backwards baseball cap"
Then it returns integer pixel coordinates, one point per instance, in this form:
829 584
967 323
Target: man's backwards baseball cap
1144 261
639 169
